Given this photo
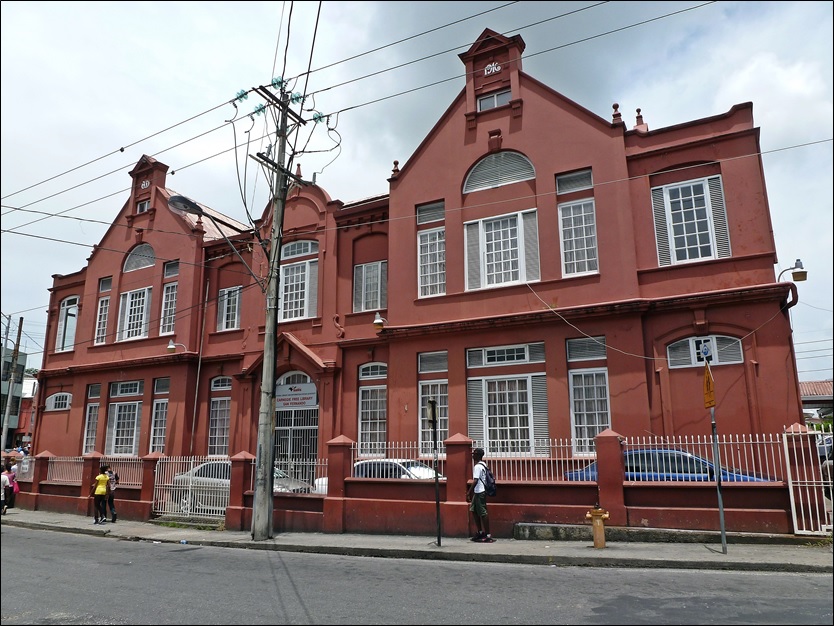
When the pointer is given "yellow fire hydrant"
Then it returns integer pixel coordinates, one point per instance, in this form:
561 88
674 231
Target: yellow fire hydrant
597 515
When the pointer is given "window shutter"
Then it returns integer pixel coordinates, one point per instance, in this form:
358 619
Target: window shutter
541 429
146 314
531 246
586 349
120 333
358 287
434 212
661 231
474 357
221 309
495 170
433 362
313 290
475 409
473 256
536 352
679 354
567 183
728 349
383 285
136 425
111 423
719 217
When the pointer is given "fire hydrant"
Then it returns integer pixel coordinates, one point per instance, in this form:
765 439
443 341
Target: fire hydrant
597 515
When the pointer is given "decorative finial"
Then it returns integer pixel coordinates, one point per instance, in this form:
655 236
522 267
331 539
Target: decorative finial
618 117
396 169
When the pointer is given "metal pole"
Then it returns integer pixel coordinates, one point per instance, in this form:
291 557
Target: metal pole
12 377
717 461
433 419
262 504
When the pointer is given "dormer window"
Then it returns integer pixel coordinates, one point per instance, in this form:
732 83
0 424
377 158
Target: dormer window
492 100
143 206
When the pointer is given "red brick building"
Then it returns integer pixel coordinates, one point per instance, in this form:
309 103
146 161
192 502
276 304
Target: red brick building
538 270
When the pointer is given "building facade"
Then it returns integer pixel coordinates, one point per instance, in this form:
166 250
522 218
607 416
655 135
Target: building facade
537 271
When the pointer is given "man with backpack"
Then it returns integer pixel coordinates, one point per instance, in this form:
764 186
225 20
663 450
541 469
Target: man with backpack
476 497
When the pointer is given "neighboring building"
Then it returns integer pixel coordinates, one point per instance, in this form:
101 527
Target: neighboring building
539 271
817 398
17 393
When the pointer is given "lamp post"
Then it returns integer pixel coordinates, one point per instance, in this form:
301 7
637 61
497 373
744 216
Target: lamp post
799 273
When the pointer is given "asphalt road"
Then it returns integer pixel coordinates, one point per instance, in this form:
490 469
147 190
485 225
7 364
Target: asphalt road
61 578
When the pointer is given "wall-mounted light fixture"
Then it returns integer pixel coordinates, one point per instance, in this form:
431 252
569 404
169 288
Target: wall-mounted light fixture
798 272
172 347
379 322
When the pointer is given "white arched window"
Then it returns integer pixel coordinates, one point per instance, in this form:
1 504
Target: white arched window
141 256
498 169
58 401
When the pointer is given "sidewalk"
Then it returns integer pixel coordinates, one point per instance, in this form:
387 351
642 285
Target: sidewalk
811 556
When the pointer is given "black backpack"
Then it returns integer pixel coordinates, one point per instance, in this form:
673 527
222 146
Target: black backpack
489 481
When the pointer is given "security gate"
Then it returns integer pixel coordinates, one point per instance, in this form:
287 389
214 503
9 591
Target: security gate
809 490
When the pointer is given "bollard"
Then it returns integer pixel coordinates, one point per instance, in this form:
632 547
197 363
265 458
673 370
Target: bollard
597 515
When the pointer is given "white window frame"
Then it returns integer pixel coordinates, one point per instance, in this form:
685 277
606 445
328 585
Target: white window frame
221 383
434 390
496 419
219 421
61 401
370 286
67 324
498 169
102 314
578 238
134 314
494 100
169 309
373 419
127 388
723 350
590 414
705 224
159 420
90 428
500 356
171 269
140 257
228 308
299 290
502 250
431 262
105 284
124 420
143 206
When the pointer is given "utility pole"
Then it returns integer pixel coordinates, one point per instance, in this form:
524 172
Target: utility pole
12 377
262 504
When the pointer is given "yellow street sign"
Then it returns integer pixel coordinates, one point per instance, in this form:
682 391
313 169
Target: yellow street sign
709 388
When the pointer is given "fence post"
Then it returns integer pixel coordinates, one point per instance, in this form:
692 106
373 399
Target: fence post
40 475
238 515
339 462
611 476
458 474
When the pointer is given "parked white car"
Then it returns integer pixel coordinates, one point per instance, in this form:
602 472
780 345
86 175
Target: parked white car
204 489
385 468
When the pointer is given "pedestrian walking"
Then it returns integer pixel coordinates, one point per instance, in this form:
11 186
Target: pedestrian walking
476 497
99 491
12 490
111 496
4 485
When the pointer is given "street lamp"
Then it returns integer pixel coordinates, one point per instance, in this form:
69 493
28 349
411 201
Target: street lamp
187 205
172 347
799 273
379 322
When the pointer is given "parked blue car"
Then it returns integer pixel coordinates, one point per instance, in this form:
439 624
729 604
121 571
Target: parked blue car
663 464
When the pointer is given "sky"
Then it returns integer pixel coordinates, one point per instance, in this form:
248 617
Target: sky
88 88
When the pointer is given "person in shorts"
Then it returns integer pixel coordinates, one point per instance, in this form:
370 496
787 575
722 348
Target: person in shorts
476 497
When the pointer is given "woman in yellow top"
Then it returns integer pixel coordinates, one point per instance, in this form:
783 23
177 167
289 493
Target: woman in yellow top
99 490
